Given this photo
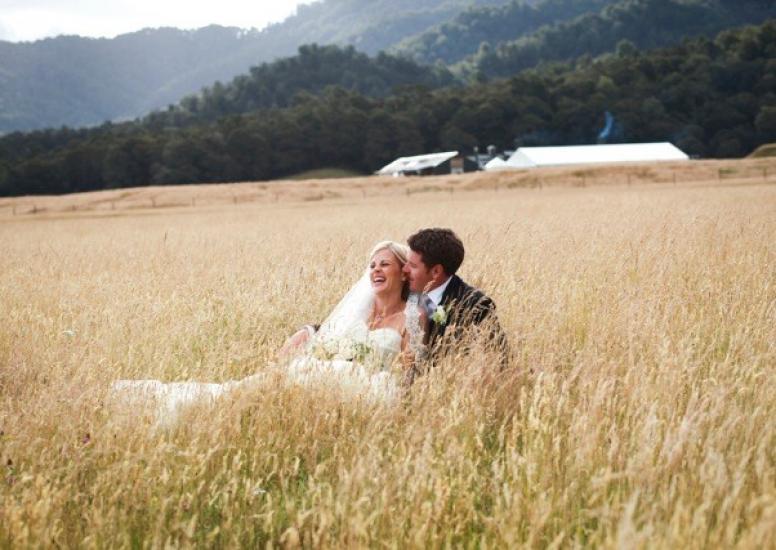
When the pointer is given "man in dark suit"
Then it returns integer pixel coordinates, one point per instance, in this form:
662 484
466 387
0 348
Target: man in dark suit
455 309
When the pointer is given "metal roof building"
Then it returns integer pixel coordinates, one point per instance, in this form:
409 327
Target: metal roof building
417 164
533 157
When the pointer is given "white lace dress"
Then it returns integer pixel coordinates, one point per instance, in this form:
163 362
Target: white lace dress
367 370
365 366
344 355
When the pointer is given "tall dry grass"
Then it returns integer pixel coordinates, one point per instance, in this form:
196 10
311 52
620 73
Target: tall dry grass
638 410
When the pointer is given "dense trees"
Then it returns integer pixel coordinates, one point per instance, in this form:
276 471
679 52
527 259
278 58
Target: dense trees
462 36
710 97
623 26
312 70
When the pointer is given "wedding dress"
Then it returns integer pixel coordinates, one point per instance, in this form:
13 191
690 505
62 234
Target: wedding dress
344 356
365 368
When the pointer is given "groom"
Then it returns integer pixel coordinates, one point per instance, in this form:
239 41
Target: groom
454 308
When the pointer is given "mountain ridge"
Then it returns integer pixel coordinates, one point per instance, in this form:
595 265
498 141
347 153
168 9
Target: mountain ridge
76 81
639 24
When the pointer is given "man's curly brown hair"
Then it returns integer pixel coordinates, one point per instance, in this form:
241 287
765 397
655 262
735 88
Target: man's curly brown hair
438 246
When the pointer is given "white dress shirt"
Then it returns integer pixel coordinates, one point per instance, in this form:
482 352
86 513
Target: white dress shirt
436 294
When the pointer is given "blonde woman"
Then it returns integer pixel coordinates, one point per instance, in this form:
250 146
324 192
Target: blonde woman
373 339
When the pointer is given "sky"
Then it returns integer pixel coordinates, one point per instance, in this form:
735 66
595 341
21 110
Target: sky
25 20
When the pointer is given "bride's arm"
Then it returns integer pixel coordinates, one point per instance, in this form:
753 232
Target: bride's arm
297 341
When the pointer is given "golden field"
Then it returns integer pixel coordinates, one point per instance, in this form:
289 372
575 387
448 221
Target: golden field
638 410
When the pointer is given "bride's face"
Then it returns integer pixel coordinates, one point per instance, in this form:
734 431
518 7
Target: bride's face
385 272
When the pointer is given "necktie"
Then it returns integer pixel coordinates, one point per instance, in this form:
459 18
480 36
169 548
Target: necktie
428 305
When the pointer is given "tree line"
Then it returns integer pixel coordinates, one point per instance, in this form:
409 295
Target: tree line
643 24
711 97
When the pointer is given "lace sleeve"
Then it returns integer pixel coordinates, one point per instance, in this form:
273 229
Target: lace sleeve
415 334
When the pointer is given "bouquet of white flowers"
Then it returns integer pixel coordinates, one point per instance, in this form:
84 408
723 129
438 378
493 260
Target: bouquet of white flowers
342 348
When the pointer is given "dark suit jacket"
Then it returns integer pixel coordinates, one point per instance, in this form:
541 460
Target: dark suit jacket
466 307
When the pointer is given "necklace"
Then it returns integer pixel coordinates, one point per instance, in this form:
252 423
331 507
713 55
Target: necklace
378 318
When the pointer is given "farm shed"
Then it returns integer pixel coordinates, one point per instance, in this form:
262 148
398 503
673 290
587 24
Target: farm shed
534 157
427 165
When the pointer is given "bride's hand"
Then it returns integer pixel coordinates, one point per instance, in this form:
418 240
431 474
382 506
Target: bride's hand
296 342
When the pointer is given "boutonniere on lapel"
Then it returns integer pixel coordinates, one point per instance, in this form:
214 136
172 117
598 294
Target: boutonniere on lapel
439 316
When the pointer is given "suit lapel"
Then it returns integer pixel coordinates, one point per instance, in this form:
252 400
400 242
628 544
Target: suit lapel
450 294
452 291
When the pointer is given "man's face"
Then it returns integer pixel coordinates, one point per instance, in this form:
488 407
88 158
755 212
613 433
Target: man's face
420 277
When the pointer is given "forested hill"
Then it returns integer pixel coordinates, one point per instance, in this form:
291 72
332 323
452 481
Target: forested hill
369 25
640 24
314 68
78 81
462 36
710 97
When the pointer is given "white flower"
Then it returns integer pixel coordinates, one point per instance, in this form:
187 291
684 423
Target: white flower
331 346
346 349
343 348
439 316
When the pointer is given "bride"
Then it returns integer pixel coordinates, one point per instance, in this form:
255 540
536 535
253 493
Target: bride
365 348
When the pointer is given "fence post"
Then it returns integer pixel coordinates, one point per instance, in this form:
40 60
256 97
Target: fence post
719 174
153 202
193 201
14 209
113 205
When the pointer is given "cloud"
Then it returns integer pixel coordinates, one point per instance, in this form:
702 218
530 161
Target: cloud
31 24
5 32
33 19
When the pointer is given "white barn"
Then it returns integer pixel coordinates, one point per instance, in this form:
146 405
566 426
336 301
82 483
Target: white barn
534 157
417 164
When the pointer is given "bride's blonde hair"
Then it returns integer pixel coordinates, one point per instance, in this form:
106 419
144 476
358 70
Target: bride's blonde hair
400 250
